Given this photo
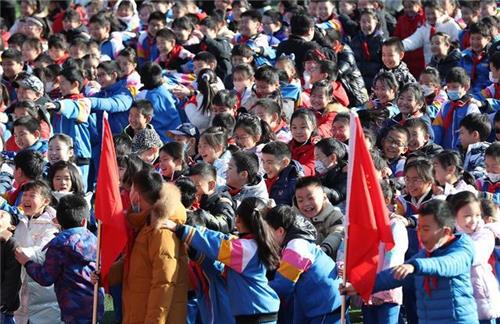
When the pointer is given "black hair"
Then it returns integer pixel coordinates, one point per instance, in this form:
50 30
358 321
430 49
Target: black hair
271 106
493 150
225 98
175 150
249 162
477 122
166 33
188 191
458 75
461 199
151 75
204 170
34 43
205 79
144 107
71 14
148 183
210 22
132 164
441 212
278 149
255 127
28 122
57 41
225 121
252 212
333 35
157 15
491 23
100 19
267 74
433 73
434 5
242 50
73 75
129 53
449 158
488 208
183 23
423 167
300 24
417 92
246 69
215 136
12 54
389 79
379 163
253 15
307 182
331 146
109 67
74 173
495 60
16 40
206 57
480 28
31 163
328 67
123 144
275 16
307 115
72 210
325 86
342 116
394 42
281 216
418 123
40 186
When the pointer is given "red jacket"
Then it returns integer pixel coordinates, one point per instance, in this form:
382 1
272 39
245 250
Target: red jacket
304 154
405 27
338 93
324 120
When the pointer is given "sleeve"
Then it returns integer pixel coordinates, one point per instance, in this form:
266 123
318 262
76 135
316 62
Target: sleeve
11 271
450 265
396 255
415 40
437 128
164 253
331 243
220 48
51 269
13 211
483 247
385 280
78 110
346 63
117 103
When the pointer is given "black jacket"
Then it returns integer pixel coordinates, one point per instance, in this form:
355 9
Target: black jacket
350 77
301 228
219 47
221 206
10 272
371 62
445 65
335 184
299 47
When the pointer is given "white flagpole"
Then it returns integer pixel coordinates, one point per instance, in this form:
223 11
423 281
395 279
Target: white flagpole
352 143
97 268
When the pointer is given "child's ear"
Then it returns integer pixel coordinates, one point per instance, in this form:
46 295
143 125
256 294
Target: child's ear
37 134
212 184
427 137
401 55
84 222
148 119
285 162
11 228
476 135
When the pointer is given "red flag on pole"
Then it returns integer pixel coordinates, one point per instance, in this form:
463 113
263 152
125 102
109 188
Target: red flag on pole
108 204
366 215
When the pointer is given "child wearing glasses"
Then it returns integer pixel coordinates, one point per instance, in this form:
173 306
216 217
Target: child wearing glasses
394 146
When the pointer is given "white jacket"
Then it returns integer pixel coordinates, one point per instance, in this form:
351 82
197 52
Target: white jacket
421 37
38 304
195 114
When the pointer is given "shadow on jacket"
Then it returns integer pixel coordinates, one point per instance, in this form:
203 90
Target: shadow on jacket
446 64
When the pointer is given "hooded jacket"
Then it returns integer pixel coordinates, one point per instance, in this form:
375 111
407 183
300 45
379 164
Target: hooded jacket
447 63
283 188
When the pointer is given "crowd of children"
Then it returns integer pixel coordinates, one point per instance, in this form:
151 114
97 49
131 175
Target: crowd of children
231 129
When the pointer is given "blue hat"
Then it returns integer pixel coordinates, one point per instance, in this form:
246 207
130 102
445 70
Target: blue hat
185 129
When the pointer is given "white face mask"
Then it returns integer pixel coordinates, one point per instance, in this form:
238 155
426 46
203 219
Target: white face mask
239 85
428 90
492 79
494 177
320 167
49 85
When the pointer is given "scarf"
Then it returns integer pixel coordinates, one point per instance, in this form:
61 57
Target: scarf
454 106
433 32
476 59
366 51
431 282
497 91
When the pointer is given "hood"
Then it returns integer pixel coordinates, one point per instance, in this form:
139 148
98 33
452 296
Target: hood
454 55
301 228
257 189
79 242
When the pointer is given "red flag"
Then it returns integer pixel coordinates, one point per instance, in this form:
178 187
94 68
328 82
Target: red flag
366 218
108 204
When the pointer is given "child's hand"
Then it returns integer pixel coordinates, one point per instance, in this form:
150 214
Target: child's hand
168 224
21 257
181 91
348 289
377 301
95 277
402 271
5 235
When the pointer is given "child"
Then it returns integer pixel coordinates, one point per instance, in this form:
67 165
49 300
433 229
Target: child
32 48
394 147
325 107
139 117
270 111
440 273
172 56
466 208
470 15
313 204
197 108
12 65
330 163
252 133
393 52
303 124
243 80
449 174
446 124
340 128
126 12
27 135
326 15
367 46
28 166
493 91
212 148
147 50
58 49
255 245
475 129
127 61
69 261
444 55
327 70
475 60
281 172
188 135
435 96
243 179
225 102
100 31
29 109
420 139
65 178
11 270
183 28
489 185
315 277
172 163
146 144
383 106
272 25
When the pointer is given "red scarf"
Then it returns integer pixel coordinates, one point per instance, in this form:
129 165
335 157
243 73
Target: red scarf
497 91
430 281
74 96
454 106
270 183
366 51
174 54
233 191
476 59
433 32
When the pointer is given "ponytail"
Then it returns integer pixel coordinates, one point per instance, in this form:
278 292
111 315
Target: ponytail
267 133
206 78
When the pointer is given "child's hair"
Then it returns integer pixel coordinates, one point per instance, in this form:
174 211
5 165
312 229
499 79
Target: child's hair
157 15
72 210
281 216
252 213
16 40
148 183
74 173
461 199
225 98
394 42
206 57
184 23
210 22
477 122
166 33
493 150
175 150
326 86
423 167
277 149
378 161
434 5
73 75
34 43
71 15
253 15
441 212
29 106
488 209
109 67
433 73
206 78
307 182
225 121
123 144
267 74
388 79
144 107
448 158
328 67
12 54
274 15
418 93
42 60
480 28
255 127
387 190
242 50
246 161
458 75
47 73
307 115
399 129
446 38
151 75
372 13
244 69
40 186
28 122
188 191
205 170
57 41
344 117
495 60
128 53
132 164
329 146
300 24
271 106
417 123
289 62
215 136
100 20
66 139
491 23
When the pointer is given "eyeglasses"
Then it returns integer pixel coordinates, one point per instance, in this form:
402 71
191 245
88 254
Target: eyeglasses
392 141
413 180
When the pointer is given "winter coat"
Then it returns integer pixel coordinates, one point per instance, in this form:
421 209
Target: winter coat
481 78
220 166
39 146
421 38
10 273
165 115
147 51
299 47
474 159
195 114
335 181
244 270
368 53
38 302
282 189
402 74
445 64
175 59
447 122
304 154
430 149
111 47
405 27
324 119
69 262
447 273
222 211
488 189
350 77
221 48
257 189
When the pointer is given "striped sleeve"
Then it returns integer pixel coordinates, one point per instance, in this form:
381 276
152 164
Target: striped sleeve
78 110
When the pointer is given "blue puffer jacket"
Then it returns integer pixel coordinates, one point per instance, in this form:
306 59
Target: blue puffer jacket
283 190
166 116
447 271
481 79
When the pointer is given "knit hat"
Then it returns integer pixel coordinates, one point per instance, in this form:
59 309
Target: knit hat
145 139
30 81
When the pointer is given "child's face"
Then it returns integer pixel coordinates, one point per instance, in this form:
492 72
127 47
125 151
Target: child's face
262 113
217 110
154 26
27 94
124 11
478 42
272 165
248 26
431 15
324 10
391 57
468 15
105 79
487 9
394 145
32 30
310 200
418 138
67 87
455 86
467 137
29 53
426 79
468 217
340 130
24 138
5 221
244 140
203 185
411 8
207 152
367 24
56 53
59 151
69 24
20 112
164 45
237 60
62 181
491 165
408 104
269 26
316 74
262 88
200 65
27 9
439 47
11 68
167 165
441 174
319 99
91 66
301 130
346 8
415 185
77 51
326 161
149 156
98 33
181 34
383 92
33 203
495 72
241 81
137 120
234 178
429 232
126 66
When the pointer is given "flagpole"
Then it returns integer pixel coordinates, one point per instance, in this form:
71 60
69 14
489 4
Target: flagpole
97 268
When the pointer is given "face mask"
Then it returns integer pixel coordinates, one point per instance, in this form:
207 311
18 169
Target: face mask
494 177
428 90
185 147
307 80
239 85
454 94
320 167
492 79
